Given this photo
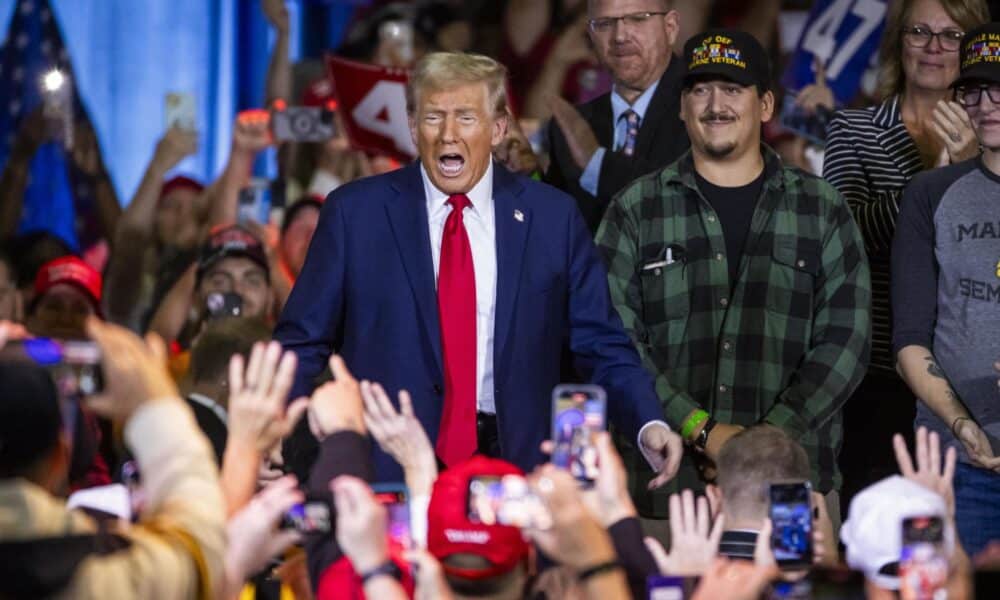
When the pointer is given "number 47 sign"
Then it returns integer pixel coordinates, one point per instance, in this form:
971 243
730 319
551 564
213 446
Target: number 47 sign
843 35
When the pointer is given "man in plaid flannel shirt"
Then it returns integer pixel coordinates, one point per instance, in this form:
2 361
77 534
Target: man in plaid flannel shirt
743 283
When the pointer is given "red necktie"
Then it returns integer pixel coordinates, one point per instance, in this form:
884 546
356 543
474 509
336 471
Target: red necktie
456 439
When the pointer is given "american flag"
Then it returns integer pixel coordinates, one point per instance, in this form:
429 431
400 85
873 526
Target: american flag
59 197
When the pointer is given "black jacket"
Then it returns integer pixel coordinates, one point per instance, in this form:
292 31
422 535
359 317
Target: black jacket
662 139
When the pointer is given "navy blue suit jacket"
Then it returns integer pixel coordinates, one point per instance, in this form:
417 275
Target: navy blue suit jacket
367 289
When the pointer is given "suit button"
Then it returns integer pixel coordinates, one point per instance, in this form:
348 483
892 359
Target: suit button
437 389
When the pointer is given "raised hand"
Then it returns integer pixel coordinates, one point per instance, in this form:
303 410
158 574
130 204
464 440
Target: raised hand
929 471
693 543
401 436
257 397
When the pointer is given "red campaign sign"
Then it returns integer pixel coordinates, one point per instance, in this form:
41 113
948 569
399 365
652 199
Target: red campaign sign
372 105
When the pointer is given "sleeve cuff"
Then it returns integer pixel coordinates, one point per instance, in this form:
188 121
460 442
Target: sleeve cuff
784 417
655 462
591 176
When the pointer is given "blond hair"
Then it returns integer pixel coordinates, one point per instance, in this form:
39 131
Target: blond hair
446 70
968 14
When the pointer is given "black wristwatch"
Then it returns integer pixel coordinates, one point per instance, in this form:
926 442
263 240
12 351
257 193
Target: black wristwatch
387 568
702 440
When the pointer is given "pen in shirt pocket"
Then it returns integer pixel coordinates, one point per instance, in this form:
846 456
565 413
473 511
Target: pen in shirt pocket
670 254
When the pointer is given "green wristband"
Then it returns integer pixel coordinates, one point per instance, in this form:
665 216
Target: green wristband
692 422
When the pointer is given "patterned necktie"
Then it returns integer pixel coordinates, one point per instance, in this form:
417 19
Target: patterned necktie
456 440
631 131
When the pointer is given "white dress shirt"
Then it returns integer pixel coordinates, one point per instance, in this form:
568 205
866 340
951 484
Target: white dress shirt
480 224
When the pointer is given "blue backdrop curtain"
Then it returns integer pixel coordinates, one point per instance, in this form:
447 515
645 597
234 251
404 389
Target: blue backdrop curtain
128 54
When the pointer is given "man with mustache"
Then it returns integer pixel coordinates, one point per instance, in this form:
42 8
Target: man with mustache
743 282
599 147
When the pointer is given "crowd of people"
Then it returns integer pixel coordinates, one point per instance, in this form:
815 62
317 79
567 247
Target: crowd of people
788 345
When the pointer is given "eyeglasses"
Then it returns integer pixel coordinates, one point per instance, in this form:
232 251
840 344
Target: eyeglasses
920 37
971 96
607 24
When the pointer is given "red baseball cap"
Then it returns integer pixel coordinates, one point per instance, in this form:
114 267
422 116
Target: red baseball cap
73 271
180 182
449 530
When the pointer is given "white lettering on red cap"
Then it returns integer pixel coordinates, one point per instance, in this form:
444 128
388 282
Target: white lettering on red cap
458 536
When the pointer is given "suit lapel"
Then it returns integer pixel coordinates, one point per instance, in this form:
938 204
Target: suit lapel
663 101
513 220
407 213
600 117
895 139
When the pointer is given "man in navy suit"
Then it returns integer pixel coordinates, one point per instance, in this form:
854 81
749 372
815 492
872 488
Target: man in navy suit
460 282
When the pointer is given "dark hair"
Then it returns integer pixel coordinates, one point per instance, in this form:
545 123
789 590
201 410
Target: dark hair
30 420
32 250
752 459
293 211
6 259
221 339
480 587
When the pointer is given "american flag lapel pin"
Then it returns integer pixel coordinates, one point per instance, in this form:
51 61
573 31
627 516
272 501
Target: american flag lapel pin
519 216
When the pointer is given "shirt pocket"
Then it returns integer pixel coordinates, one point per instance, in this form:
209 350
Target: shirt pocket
665 294
792 279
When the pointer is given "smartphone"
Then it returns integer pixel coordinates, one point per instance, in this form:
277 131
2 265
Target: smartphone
579 412
75 365
179 111
663 587
307 517
923 561
505 500
792 518
395 498
302 124
255 202
809 124
220 305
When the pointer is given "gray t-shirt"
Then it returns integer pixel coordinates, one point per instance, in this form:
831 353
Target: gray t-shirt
946 286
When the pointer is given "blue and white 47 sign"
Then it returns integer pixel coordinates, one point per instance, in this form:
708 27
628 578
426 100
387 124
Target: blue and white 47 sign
843 35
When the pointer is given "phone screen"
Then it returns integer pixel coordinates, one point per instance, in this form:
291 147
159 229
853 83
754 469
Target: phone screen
179 111
505 500
923 563
254 202
791 517
578 414
308 517
397 506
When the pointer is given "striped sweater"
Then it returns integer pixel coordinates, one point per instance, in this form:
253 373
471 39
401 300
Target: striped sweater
870 157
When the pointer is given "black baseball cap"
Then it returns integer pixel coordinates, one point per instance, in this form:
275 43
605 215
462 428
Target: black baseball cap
979 56
727 54
231 241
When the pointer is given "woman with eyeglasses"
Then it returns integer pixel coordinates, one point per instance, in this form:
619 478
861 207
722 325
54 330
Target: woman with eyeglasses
871 155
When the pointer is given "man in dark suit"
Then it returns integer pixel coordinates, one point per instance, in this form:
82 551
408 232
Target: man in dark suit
458 281
600 147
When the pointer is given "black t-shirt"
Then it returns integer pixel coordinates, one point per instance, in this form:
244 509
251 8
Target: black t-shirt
734 206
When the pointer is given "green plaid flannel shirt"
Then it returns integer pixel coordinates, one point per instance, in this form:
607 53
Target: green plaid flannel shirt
785 345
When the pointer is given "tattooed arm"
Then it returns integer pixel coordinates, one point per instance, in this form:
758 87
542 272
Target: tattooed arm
928 382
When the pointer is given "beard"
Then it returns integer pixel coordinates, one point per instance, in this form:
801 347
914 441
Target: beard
720 150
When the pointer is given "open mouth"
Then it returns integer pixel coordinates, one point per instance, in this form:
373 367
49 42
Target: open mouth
451 165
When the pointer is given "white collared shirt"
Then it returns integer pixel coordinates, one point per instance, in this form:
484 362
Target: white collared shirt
480 224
